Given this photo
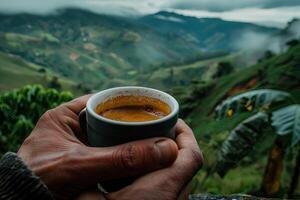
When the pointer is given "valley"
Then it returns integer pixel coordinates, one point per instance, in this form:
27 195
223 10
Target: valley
101 51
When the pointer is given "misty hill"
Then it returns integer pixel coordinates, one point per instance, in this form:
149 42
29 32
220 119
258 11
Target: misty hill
102 51
208 33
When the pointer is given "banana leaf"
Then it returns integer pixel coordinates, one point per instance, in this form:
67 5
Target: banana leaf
264 99
241 141
286 121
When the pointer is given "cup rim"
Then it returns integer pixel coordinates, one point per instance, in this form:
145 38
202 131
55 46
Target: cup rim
173 113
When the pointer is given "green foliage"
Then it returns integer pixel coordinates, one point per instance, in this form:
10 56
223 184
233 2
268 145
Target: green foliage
286 121
20 109
247 102
240 141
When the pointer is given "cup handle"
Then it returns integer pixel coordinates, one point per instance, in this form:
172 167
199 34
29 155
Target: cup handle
83 126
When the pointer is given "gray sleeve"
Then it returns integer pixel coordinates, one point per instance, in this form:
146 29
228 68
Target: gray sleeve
17 182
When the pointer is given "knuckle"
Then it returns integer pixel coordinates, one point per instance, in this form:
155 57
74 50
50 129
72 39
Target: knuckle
197 158
48 115
29 140
129 157
65 107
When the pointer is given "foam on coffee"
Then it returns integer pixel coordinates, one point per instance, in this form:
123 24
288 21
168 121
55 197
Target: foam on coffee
133 108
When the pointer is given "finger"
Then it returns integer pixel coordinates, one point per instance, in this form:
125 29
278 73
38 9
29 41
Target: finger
126 160
184 136
66 116
177 175
77 104
188 162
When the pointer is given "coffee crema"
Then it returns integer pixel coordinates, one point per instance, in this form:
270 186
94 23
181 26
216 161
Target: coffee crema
133 108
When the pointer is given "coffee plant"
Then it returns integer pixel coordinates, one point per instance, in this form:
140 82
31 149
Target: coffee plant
21 108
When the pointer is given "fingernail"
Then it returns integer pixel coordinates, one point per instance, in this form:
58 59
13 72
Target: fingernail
165 153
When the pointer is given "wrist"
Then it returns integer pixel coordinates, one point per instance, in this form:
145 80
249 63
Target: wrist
18 181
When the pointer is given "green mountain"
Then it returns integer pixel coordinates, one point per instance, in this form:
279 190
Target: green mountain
100 51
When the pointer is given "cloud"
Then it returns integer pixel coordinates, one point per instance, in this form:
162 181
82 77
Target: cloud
117 7
139 6
226 5
277 17
267 12
295 29
257 43
172 19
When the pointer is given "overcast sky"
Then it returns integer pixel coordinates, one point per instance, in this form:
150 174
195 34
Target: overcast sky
268 12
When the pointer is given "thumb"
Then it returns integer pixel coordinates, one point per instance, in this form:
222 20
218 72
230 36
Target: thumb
130 159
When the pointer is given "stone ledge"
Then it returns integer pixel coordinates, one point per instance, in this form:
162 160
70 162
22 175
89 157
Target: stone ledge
224 197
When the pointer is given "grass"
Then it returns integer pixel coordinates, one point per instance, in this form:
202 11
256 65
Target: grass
233 183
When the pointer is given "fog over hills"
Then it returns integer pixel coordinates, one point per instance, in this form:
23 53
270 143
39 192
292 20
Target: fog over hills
108 50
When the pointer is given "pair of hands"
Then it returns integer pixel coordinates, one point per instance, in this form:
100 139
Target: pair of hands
70 168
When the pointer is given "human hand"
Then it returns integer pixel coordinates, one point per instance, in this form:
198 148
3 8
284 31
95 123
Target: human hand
165 184
68 167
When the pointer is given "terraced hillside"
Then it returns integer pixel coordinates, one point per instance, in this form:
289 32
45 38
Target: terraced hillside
16 72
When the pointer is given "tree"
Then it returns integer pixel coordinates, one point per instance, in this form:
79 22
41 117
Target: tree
292 43
42 70
267 55
223 68
54 83
172 75
274 109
